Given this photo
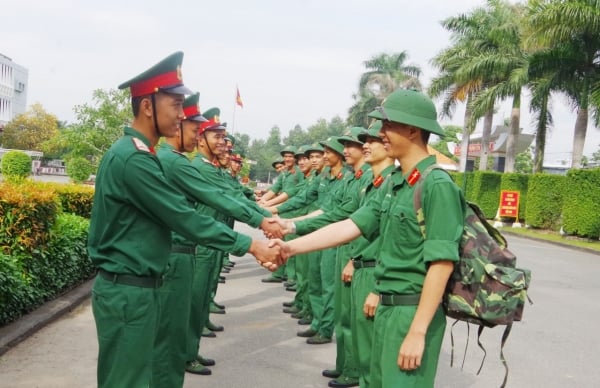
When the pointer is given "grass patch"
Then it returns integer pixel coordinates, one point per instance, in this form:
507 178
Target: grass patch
549 235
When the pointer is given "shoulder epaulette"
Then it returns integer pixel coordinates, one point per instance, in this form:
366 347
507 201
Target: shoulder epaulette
140 145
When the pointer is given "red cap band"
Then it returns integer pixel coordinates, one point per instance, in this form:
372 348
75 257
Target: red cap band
152 85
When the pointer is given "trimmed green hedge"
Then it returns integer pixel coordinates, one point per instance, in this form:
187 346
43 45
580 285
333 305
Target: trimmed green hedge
28 280
516 182
581 208
486 192
545 201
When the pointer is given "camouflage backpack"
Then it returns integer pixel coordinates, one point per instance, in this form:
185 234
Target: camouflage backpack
485 287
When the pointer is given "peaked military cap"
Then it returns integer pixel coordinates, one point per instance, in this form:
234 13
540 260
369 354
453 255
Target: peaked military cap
288 150
315 147
373 131
351 135
213 122
191 109
165 76
333 143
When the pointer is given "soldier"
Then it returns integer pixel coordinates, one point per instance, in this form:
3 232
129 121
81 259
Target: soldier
134 211
412 270
284 188
228 203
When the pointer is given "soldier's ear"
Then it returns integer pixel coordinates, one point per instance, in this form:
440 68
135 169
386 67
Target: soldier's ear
146 107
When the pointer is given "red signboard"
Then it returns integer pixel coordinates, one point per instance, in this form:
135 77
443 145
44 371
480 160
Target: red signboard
509 204
474 149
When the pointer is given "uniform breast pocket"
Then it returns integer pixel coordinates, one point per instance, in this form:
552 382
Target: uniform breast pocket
403 223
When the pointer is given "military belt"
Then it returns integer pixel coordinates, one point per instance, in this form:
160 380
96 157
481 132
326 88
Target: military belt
131 280
363 263
399 300
183 249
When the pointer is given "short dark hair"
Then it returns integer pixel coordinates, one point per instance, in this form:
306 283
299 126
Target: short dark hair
425 136
136 102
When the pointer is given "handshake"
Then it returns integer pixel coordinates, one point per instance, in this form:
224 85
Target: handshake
272 253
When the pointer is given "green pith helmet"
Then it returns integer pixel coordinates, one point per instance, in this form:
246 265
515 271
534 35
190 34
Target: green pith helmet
351 135
373 131
301 151
288 150
165 76
335 145
276 163
191 109
315 147
213 123
410 107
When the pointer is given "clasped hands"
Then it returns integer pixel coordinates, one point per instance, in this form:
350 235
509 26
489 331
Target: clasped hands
270 254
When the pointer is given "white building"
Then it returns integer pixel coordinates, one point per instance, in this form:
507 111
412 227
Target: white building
13 89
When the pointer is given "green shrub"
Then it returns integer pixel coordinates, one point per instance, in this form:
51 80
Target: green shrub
486 191
79 169
517 182
28 280
16 166
74 198
581 206
14 289
459 179
545 201
27 213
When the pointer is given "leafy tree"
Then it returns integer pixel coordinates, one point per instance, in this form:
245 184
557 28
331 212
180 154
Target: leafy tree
524 162
98 125
441 145
29 130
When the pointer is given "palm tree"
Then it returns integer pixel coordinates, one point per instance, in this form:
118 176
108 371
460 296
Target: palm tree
571 30
386 73
504 64
470 36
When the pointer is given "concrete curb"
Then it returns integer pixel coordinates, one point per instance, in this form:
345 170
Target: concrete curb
13 333
564 245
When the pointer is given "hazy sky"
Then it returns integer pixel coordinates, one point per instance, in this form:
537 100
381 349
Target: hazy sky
294 61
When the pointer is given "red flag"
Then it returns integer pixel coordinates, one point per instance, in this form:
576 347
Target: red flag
238 98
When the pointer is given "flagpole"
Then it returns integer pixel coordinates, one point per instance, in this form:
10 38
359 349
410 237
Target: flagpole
234 107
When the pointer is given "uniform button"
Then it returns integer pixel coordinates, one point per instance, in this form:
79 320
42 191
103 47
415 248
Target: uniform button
377 282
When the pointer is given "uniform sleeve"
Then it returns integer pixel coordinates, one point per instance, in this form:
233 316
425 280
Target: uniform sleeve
442 201
206 187
154 196
278 185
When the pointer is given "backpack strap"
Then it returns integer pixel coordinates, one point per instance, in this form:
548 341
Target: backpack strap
418 196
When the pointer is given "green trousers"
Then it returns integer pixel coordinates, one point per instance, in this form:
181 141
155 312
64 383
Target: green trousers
170 346
206 264
328 274
300 299
315 289
363 282
391 326
345 362
126 321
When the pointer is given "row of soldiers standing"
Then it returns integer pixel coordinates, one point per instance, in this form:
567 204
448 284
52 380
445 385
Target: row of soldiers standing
320 184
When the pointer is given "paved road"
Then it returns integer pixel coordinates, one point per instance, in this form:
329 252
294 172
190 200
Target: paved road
557 344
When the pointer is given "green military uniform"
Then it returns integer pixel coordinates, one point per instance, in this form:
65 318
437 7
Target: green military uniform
404 254
134 211
168 364
347 202
222 203
364 255
330 188
287 182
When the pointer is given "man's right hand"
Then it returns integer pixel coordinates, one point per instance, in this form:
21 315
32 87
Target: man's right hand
266 254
